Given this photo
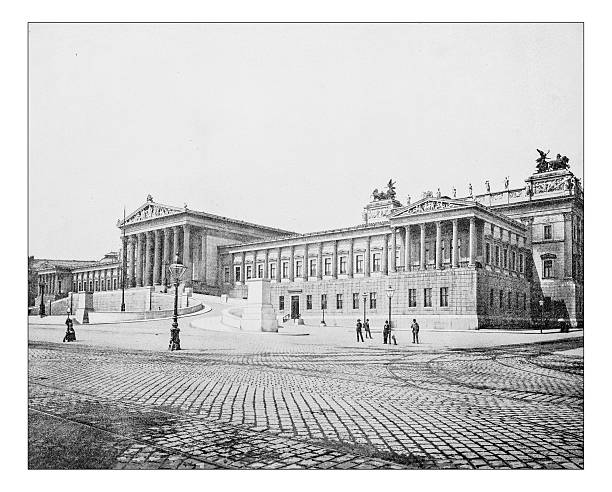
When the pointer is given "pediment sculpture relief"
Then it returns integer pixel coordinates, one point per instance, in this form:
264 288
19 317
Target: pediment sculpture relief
149 212
430 206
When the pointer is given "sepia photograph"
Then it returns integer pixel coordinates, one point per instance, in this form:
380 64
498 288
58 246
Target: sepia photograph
305 246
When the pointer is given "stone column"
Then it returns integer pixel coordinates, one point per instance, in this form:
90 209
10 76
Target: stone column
305 264
349 262
254 272
407 252
243 267
393 263
278 264
366 258
385 255
291 263
187 255
422 265
320 262
148 259
438 244
267 264
204 244
175 243
131 266
335 259
473 241
568 246
157 253
139 262
455 252
166 257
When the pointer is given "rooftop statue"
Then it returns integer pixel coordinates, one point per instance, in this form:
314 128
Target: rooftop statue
385 195
544 165
149 198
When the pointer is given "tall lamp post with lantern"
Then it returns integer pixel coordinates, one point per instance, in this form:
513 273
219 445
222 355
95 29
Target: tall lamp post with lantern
365 299
176 271
541 302
390 291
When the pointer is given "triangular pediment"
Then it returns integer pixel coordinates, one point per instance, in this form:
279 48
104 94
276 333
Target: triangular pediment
151 210
429 205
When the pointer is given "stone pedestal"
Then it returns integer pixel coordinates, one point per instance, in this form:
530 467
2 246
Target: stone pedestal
85 304
258 315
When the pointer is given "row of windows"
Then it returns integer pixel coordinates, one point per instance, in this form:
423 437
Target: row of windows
412 299
506 259
95 285
508 299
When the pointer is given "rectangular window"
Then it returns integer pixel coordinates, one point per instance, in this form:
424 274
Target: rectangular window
338 301
547 269
497 256
443 296
237 274
313 268
91 286
355 300
281 303
359 264
115 284
343 264
323 301
97 285
501 298
80 286
309 301
487 253
298 268
327 269
513 261
521 263
272 270
427 297
412 301
285 269
260 271
376 262
372 300
547 232
491 298
249 272
505 258
108 284
226 274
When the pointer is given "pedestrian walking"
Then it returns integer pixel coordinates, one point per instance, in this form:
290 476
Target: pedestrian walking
387 332
70 335
366 326
359 333
415 331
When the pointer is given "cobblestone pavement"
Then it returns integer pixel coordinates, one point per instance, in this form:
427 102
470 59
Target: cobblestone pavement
284 404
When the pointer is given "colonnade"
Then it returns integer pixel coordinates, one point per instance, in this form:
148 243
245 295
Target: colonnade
97 280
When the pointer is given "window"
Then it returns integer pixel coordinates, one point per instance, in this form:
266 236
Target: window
501 298
323 301
491 298
513 261
338 301
108 284
313 268
412 298
309 301
327 269
372 300
272 270
298 268
487 253
505 258
97 285
343 264
237 274
547 232
281 303
355 300
249 272
80 286
376 262
443 248
285 269
521 263
496 255
359 264
547 269
443 296
226 274
427 297
260 271
91 286
115 283
427 253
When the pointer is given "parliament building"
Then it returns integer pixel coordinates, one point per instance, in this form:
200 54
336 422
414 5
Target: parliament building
502 259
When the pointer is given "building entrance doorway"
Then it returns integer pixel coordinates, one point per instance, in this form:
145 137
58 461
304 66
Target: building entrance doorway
295 307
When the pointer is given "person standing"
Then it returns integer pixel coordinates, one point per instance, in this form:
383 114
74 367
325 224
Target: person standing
386 332
366 326
359 333
415 331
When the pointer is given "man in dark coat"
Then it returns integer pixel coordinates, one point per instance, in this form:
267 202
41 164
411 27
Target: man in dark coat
359 334
387 333
366 327
415 331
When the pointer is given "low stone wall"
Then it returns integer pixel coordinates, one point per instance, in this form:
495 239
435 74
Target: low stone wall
116 317
232 317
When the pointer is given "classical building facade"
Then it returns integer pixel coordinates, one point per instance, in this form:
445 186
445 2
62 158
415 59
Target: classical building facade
503 258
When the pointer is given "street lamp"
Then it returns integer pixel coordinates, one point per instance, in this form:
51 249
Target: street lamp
176 270
541 302
323 307
365 299
390 291
42 300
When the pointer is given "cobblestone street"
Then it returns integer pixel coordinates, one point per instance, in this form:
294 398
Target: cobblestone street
285 403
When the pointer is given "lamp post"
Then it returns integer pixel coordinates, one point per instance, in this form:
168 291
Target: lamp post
541 302
176 270
365 299
123 264
390 291
42 300
323 307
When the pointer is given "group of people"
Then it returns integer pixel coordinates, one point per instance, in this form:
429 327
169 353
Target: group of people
387 335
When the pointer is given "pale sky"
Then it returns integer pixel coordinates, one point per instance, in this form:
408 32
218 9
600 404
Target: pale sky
286 125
